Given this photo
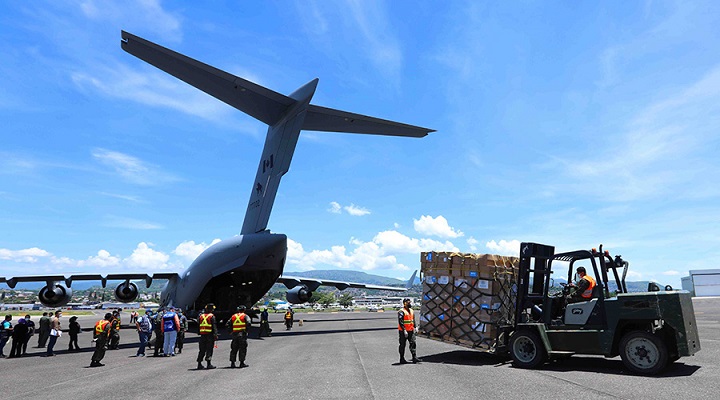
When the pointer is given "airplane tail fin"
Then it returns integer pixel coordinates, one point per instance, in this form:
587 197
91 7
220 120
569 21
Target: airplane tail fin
286 116
411 281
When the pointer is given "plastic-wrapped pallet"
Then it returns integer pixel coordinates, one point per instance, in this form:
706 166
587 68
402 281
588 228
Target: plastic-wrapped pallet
466 297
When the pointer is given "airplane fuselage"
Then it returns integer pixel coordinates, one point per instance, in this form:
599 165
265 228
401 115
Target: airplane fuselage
233 272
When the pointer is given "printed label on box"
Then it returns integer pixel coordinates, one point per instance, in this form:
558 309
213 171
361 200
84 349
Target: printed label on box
473 274
430 279
478 327
483 284
444 280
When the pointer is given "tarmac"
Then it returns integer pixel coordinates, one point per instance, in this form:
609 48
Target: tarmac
350 356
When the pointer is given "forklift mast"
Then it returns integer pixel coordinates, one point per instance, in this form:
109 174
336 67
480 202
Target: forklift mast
533 272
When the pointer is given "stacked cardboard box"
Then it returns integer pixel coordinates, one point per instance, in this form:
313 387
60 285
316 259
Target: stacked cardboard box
466 297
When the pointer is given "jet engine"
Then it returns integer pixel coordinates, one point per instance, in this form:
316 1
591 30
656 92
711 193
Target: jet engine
56 295
126 292
298 295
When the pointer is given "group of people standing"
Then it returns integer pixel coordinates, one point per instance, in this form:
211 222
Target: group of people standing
168 324
49 330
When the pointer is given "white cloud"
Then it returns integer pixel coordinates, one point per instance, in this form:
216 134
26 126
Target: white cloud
132 169
133 199
30 255
335 208
129 223
504 247
144 257
190 250
102 260
663 150
146 13
356 211
438 226
352 209
378 254
472 242
362 25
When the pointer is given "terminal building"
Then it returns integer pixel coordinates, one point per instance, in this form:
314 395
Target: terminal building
702 282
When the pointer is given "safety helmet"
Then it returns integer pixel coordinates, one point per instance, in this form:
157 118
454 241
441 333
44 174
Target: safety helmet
108 315
241 308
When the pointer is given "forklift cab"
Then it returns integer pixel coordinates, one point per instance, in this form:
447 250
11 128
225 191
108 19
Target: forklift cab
541 301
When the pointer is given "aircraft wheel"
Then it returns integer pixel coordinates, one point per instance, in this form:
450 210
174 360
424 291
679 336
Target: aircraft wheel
643 353
526 349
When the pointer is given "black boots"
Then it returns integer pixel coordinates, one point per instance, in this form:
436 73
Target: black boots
200 366
96 364
210 366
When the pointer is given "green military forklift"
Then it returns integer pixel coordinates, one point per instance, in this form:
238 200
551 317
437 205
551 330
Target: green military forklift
648 330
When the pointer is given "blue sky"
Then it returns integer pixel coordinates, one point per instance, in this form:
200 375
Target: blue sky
565 123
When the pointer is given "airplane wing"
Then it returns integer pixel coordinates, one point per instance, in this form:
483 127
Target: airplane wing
312 284
68 280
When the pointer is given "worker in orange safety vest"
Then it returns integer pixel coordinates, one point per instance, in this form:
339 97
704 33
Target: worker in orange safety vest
101 336
584 287
406 331
208 336
239 323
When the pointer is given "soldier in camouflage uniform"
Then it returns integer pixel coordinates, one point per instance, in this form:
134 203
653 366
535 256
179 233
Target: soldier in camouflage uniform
183 329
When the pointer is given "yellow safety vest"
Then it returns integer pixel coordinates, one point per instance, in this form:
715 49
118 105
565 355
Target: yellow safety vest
205 323
238 322
100 326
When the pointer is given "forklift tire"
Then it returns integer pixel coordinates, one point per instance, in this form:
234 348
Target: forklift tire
526 349
643 353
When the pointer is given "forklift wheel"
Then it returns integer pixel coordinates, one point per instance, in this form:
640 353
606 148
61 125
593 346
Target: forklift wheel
643 353
527 349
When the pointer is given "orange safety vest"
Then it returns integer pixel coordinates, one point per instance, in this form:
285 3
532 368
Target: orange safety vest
238 322
408 321
288 315
205 323
117 327
587 294
100 326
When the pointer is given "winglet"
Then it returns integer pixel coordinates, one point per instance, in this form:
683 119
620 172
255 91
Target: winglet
411 281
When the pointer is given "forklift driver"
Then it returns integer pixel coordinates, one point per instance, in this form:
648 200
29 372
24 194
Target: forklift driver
583 290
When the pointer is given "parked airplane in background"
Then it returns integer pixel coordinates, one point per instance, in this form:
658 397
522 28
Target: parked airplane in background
239 270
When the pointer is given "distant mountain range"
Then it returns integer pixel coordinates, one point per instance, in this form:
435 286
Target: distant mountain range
349 276
335 275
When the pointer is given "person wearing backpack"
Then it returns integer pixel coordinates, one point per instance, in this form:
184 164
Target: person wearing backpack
144 327
5 332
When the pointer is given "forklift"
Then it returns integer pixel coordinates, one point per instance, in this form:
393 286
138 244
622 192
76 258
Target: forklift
648 330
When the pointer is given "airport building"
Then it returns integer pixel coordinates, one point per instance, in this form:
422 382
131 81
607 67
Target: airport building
702 282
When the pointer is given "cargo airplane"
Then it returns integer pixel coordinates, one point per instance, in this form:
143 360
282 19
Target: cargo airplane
239 270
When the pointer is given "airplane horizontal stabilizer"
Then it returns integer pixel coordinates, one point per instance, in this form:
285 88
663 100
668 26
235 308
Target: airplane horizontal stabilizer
331 120
257 101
